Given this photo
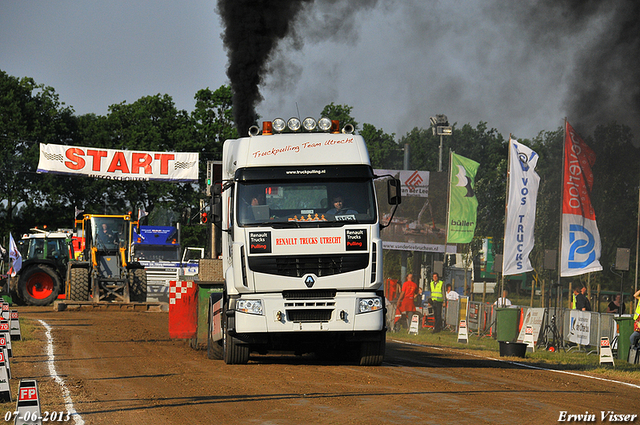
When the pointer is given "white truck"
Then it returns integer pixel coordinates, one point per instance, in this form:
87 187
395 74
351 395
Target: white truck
301 247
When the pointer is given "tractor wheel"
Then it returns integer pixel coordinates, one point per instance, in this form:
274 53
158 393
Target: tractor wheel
39 285
138 285
79 284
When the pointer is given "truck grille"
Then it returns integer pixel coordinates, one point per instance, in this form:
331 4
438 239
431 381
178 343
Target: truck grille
309 294
309 315
298 266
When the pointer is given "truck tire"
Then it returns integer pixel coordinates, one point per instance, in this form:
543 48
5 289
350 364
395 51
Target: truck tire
234 353
215 349
138 285
79 284
39 285
372 352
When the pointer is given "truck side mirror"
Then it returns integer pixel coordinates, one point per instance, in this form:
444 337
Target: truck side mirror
217 209
394 192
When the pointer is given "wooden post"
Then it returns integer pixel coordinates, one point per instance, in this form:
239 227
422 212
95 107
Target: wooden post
542 294
533 290
570 295
598 300
484 291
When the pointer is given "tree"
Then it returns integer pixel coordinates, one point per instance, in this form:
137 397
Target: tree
341 113
30 114
384 152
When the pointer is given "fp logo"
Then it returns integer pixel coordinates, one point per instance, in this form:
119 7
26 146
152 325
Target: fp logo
581 247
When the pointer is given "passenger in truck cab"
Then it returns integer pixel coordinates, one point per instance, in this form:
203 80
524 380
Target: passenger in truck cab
339 208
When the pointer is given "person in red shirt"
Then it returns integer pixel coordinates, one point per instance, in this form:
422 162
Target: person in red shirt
407 294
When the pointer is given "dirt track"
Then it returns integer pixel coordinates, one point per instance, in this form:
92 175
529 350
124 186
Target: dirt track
122 368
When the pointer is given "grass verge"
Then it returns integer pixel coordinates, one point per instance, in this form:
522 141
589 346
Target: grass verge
577 359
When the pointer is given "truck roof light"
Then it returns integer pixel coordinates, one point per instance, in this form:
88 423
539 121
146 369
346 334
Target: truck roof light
348 129
324 124
335 126
309 124
254 130
267 128
279 125
293 124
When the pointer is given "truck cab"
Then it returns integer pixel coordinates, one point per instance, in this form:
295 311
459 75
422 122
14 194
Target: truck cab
301 248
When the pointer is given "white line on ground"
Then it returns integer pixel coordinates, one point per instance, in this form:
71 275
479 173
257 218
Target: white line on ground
527 365
68 403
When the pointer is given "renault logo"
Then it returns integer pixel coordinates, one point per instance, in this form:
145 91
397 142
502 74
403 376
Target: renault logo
309 281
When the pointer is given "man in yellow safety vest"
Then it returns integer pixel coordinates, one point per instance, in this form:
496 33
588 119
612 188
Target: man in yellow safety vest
635 336
435 300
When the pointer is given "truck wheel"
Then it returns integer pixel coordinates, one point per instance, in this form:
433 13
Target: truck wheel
233 353
39 285
79 284
214 348
372 352
138 285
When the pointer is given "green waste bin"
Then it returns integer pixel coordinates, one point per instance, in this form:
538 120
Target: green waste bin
507 321
625 329
205 289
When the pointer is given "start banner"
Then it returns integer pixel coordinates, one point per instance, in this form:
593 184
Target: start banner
117 164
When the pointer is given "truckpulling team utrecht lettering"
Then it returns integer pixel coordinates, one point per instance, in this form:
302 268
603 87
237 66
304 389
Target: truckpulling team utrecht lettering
297 148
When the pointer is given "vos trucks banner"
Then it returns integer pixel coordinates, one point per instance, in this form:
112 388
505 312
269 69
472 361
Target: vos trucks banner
581 248
521 209
117 164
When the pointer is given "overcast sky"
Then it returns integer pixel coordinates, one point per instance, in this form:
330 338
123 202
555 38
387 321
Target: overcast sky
395 62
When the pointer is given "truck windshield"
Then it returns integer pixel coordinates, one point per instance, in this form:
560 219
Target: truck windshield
306 203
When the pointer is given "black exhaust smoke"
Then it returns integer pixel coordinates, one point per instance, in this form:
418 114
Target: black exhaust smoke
252 31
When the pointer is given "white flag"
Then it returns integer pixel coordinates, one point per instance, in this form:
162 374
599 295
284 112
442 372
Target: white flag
521 209
15 256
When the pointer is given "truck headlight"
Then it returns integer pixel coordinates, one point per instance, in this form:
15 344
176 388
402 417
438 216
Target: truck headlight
369 304
250 306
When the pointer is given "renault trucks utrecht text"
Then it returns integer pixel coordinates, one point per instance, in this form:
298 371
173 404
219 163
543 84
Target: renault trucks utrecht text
301 247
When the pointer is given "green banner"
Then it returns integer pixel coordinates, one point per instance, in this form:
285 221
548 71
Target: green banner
463 205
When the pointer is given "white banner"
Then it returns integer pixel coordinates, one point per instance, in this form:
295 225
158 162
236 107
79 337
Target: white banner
521 209
583 239
533 318
579 327
116 164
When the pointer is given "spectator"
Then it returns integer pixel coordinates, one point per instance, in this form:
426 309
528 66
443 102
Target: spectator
503 301
451 295
615 305
635 336
586 299
582 303
407 294
436 301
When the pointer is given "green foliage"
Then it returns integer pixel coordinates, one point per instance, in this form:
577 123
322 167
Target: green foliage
31 114
341 113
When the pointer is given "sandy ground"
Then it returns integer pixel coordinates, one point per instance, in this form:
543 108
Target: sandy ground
121 367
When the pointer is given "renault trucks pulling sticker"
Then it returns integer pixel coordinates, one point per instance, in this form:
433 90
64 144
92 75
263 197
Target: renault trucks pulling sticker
356 239
259 242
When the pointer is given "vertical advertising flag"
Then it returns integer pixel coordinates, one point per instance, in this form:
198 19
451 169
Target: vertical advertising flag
581 248
463 205
15 256
521 209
